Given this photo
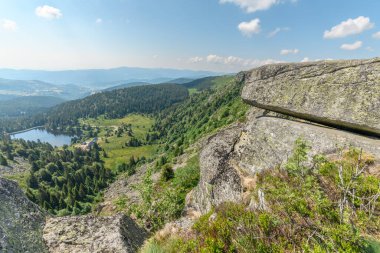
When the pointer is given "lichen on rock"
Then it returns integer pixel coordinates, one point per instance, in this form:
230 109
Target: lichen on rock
343 94
21 221
91 234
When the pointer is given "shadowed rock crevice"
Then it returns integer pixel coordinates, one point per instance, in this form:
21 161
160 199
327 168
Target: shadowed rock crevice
338 124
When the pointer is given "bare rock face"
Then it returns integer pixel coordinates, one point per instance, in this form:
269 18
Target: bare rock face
219 181
91 234
21 221
344 94
232 157
268 141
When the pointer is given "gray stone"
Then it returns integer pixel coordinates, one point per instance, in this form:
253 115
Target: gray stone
219 181
92 234
268 141
21 221
344 94
232 157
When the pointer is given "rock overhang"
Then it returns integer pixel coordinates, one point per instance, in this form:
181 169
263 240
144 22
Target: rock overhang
343 94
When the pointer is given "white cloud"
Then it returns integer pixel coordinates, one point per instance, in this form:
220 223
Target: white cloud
251 6
277 30
9 25
250 28
232 61
376 35
289 51
196 59
354 46
99 21
48 12
307 59
349 27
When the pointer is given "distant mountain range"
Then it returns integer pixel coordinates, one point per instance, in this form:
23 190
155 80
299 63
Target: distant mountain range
104 78
17 88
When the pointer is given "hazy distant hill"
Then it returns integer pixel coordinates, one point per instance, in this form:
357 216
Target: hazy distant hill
131 84
181 80
18 88
126 85
205 83
27 105
94 77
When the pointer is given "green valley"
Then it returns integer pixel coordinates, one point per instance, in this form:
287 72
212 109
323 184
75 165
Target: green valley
114 139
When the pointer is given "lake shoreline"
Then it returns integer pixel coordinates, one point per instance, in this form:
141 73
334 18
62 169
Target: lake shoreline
41 134
25 130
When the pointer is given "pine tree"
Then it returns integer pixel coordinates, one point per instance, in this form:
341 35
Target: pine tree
32 181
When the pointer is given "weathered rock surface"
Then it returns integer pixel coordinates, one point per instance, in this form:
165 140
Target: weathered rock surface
233 156
219 181
343 94
91 234
21 221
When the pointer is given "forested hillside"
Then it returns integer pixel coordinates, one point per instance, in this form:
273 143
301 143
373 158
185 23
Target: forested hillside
216 104
112 104
27 105
117 103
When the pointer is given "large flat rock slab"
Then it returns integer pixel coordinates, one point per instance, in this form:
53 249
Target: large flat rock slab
21 221
91 234
267 141
344 94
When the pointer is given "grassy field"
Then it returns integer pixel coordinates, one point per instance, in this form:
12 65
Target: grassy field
115 147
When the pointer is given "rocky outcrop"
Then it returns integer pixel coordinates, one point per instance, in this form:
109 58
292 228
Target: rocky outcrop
219 181
343 94
92 234
21 221
331 105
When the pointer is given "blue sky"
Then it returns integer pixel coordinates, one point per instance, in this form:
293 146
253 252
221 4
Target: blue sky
219 35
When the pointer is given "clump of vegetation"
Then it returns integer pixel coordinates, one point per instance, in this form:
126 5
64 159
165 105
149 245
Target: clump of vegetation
3 160
164 201
329 206
167 173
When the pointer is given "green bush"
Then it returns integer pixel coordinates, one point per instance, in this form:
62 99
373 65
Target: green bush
164 201
167 173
